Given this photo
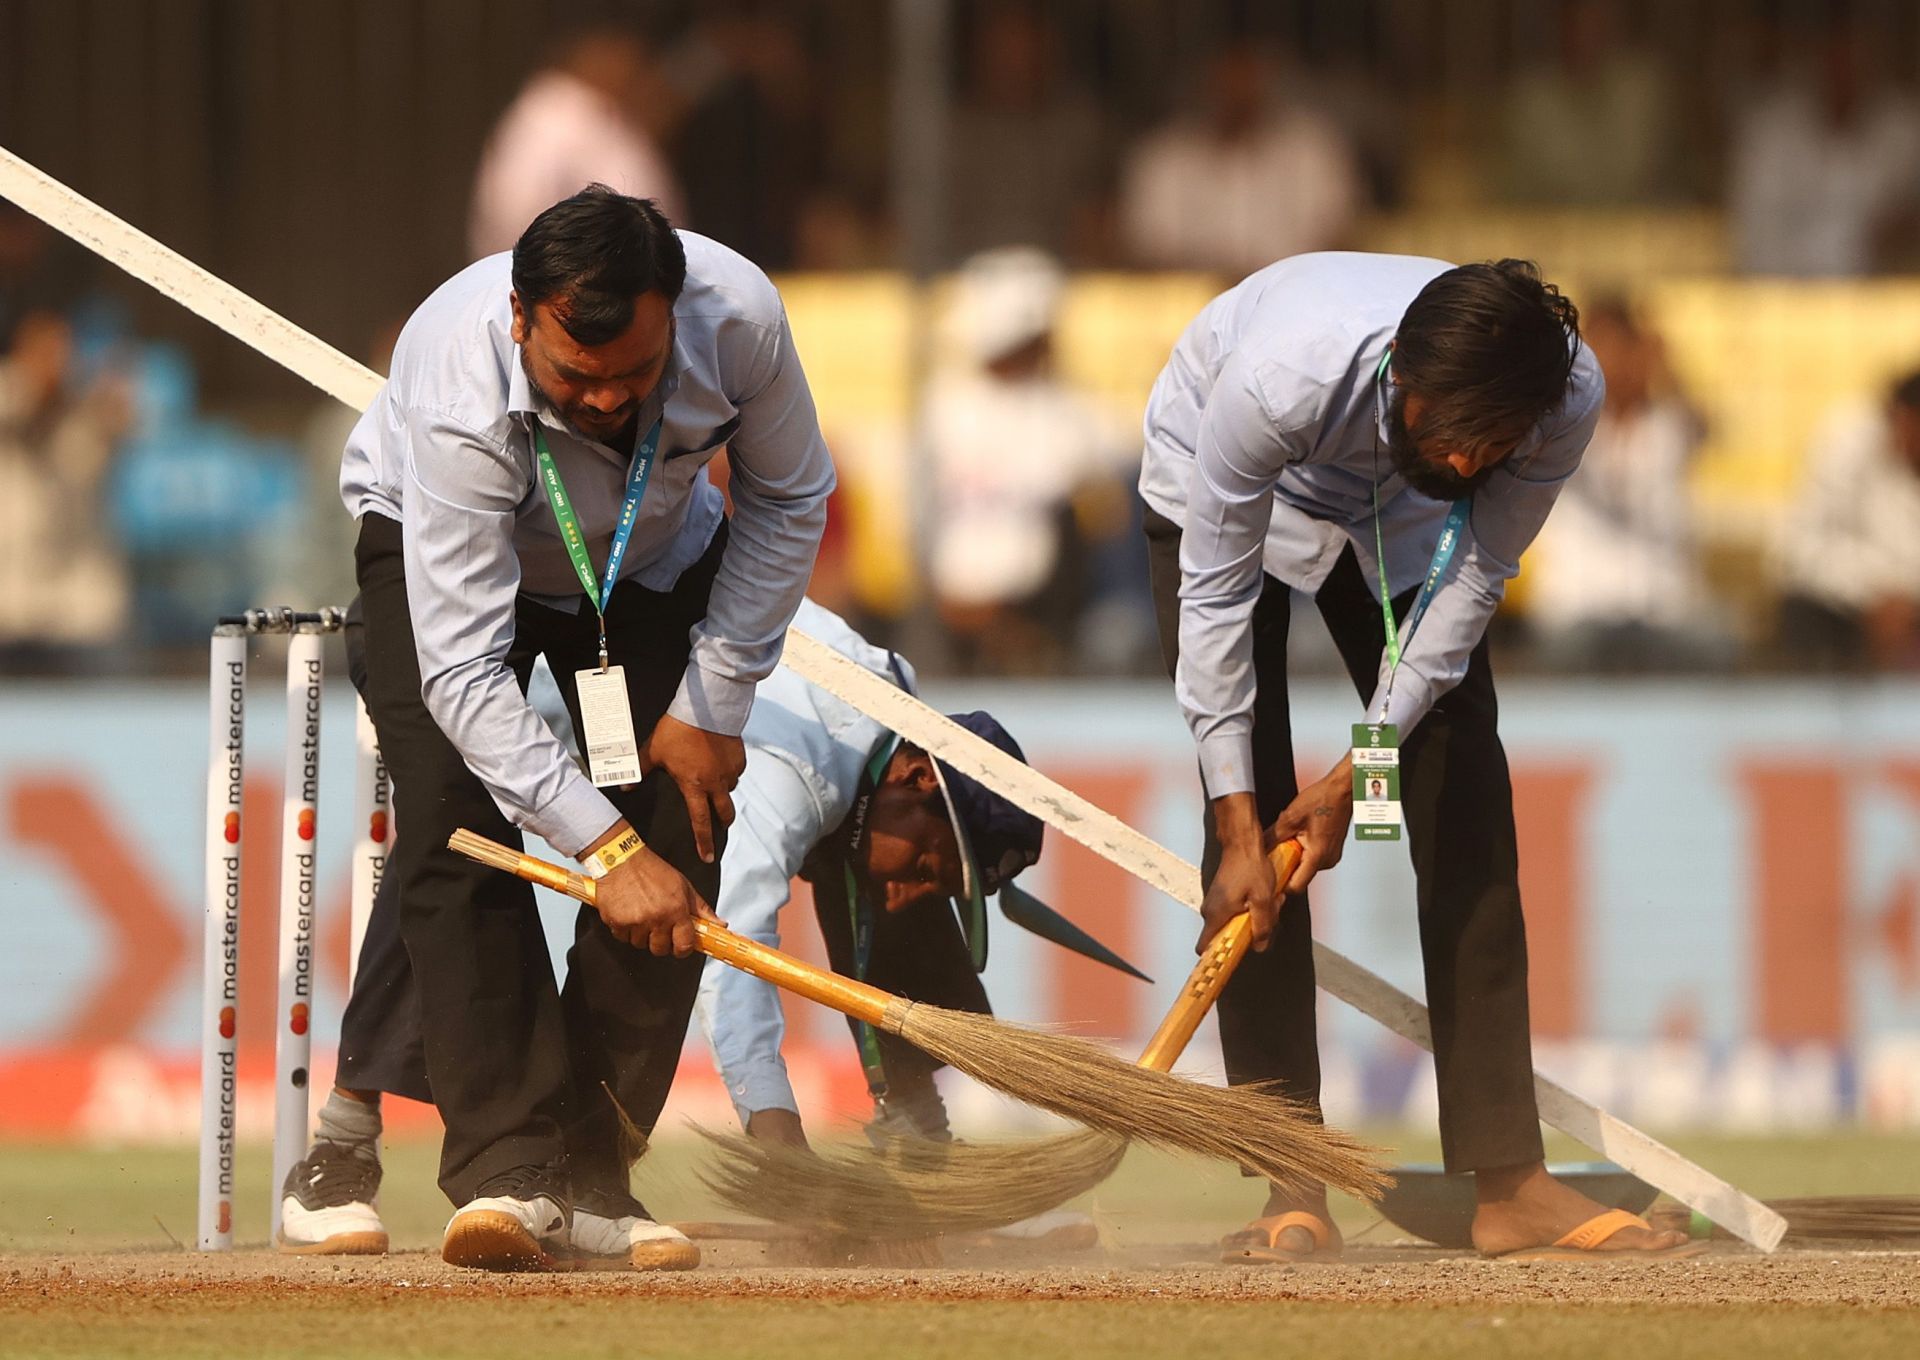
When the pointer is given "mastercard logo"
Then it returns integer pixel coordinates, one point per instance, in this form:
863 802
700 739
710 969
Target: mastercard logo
306 824
233 828
226 1217
297 1021
226 1022
377 828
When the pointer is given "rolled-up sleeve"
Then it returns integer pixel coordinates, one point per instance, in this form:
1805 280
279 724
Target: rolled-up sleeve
781 478
462 494
1241 451
779 821
1504 516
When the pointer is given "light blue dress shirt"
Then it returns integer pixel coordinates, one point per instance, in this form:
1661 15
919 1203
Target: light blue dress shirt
446 448
806 751
1260 443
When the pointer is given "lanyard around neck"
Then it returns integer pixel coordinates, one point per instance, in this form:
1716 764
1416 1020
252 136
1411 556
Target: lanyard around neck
599 589
860 912
1399 635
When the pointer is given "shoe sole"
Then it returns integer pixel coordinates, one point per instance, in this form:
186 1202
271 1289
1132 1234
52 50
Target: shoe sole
490 1240
1272 1256
340 1244
664 1256
644 1256
1590 1256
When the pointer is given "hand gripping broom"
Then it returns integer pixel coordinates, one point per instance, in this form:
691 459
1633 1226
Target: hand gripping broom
917 1188
1075 1079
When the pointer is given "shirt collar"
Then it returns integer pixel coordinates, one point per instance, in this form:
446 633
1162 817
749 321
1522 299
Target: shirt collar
522 400
1379 389
1380 399
675 365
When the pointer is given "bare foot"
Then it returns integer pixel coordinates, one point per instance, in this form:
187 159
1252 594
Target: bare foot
1522 1207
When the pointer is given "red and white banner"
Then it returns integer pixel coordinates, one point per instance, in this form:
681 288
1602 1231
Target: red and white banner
1722 890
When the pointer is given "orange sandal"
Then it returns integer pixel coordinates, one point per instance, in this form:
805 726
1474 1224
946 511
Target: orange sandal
1259 1241
1585 1241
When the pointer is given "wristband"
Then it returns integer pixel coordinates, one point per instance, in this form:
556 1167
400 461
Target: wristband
618 851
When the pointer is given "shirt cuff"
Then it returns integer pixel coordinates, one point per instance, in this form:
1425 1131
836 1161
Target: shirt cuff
1411 701
760 1084
1226 763
576 819
713 702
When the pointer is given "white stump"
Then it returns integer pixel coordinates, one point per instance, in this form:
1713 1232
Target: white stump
220 978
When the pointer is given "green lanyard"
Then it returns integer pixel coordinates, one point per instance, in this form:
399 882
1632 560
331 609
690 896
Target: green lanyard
599 588
860 919
1397 636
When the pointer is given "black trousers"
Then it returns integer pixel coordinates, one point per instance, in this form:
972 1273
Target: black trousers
524 1074
1458 804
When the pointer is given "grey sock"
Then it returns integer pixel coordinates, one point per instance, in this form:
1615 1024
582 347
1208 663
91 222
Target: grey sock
353 1124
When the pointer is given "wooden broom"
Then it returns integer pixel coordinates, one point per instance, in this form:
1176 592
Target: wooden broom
1859 1219
916 1188
1266 1133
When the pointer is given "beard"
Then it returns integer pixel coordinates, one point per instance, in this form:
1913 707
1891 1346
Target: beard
1428 476
582 419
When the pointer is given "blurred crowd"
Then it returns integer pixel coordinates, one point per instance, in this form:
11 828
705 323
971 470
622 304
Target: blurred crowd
131 515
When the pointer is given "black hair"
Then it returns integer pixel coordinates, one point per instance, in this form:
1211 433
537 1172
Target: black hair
1906 391
590 256
1489 349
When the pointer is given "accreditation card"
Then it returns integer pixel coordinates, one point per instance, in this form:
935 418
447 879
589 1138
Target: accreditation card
1376 782
606 721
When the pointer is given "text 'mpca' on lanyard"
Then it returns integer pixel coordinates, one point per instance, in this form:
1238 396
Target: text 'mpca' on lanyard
599 589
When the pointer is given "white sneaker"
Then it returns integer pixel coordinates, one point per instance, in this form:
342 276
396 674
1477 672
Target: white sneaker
624 1237
502 1232
326 1206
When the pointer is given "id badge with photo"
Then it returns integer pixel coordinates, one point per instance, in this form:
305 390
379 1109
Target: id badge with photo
1376 782
606 722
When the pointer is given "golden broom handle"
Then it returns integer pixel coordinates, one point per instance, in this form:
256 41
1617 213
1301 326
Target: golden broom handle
865 1002
1209 976
711 937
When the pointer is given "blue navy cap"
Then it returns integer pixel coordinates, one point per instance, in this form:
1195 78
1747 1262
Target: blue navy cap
997 839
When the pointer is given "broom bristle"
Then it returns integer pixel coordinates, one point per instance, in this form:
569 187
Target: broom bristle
916 1188
1266 1133
1851 1218
633 1142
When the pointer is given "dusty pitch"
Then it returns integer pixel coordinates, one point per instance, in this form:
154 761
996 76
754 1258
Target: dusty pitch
1420 1276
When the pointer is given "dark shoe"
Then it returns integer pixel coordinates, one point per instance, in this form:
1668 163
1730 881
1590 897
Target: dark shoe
327 1205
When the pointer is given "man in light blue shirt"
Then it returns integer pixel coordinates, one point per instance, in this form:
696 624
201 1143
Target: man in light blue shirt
1355 427
810 759
831 796
532 480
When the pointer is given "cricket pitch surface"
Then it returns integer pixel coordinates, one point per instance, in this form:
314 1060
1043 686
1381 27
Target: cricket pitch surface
89 1266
